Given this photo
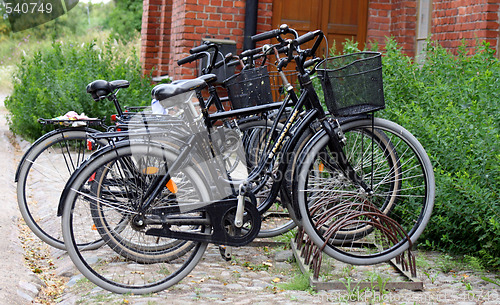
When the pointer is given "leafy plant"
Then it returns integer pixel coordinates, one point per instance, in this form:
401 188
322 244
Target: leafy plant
299 282
450 103
125 19
354 292
487 279
53 81
432 278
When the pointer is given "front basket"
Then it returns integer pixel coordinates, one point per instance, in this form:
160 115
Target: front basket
249 88
352 84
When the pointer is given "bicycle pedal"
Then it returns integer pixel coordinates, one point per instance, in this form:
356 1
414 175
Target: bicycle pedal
226 252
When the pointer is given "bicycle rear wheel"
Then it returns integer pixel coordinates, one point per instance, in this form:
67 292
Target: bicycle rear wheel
344 221
41 176
101 202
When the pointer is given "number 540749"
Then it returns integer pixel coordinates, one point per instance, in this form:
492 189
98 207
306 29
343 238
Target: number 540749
28 8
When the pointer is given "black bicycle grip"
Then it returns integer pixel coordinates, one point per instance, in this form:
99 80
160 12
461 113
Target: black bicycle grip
199 49
250 52
190 58
311 62
266 35
306 37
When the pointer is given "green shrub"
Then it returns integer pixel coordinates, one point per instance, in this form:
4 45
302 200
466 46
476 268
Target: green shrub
125 19
451 104
53 82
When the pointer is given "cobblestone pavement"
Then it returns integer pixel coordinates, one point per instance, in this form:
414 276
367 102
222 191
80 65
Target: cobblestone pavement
255 275
268 275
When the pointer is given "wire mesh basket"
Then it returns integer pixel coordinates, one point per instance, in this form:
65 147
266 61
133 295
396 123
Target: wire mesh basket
249 88
352 84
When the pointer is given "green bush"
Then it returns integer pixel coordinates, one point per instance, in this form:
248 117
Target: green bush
53 82
125 19
451 104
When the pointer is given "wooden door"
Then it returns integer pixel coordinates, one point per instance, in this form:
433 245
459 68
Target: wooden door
301 15
339 19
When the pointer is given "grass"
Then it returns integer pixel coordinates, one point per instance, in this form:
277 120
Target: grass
299 282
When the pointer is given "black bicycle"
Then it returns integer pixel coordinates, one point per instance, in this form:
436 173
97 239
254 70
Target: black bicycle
366 181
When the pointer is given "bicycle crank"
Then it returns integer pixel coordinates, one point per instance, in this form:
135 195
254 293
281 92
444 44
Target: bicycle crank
221 215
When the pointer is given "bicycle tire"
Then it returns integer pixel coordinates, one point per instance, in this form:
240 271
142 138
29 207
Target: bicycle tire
276 219
41 176
408 209
104 266
118 188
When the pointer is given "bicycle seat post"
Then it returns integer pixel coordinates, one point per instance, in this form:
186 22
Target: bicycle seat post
112 97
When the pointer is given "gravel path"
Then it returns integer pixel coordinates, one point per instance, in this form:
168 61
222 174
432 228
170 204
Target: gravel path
256 275
18 285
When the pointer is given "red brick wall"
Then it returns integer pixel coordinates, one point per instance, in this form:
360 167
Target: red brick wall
172 27
155 35
398 19
455 21
379 21
452 22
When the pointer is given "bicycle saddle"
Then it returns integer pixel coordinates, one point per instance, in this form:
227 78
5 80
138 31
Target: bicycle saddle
99 89
165 91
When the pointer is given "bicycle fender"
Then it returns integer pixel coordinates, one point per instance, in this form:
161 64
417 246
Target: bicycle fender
43 138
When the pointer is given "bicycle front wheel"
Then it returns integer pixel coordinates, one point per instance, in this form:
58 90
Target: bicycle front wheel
350 224
102 204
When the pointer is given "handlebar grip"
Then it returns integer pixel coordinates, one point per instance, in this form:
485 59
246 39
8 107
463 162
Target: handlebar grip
311 62
250 52
306 37
190 58
199 49
266 35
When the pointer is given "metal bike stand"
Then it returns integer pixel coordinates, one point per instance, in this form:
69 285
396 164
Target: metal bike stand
310 264
267 243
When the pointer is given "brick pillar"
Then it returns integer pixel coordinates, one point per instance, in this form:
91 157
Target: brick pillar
164 38
396 18
403 25
193 20
379 21
150 32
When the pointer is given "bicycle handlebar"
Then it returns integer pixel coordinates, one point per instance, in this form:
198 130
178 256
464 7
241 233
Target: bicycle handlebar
190 58
199 49
250 52
283 29
306 37
227 60
266 35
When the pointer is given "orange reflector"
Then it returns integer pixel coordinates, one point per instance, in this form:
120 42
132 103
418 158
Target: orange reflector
150 170
92 178
172 186
113 118
94 228
321 167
